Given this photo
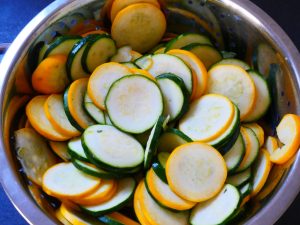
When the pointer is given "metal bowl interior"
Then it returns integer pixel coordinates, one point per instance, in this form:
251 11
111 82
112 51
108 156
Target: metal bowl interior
237 26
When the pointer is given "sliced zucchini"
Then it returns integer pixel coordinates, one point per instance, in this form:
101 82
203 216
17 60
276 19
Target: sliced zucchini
63 180
206 53
207 118
94 112
262 168
92 170
175 95
226 203
234 62
123 195
263 97
61 45
33 153
74 104
171 139
239 179
187 39
192 180
98 50
252 148
235 83
159 165
156 214
76 150
111 149
122 55
163 63
235 155
151 146
61 149
128 101
73 65
163 194
258 130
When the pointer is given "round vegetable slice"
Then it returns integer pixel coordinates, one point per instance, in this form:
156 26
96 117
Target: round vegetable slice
140 26
262 168
105 192
128 101
263 99
74 101
288 132
235 83
196 171
37 117
63 180
175 95
54 108
118 5
234 62
33 153
258 130
50 76
163 193
217 210
157 215
76 150
197 67
123 194
137 206
110 148
207 118
101 80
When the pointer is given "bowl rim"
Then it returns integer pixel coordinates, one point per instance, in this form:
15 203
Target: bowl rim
25 205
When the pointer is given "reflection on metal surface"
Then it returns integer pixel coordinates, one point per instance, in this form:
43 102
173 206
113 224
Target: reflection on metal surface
235 26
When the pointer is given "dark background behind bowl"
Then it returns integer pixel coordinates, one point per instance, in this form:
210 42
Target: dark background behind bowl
15 14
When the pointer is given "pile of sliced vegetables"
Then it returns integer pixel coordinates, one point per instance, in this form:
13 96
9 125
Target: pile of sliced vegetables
169 128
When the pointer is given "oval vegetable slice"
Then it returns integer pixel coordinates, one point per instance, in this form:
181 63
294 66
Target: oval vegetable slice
63 180
123 194
217 210
50 76
118 5
54 108
101 80
197 67
157 215
262 168
234 62
110 148
207 117
235 83
137 206
175 95
196 171
76 150
263 99
288 132
74 101
163 193
239 179
37 117
252 148
140 26
128 101
33 153
105 192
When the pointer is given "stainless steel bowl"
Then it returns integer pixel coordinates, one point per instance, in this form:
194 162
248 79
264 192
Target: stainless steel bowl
235 25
